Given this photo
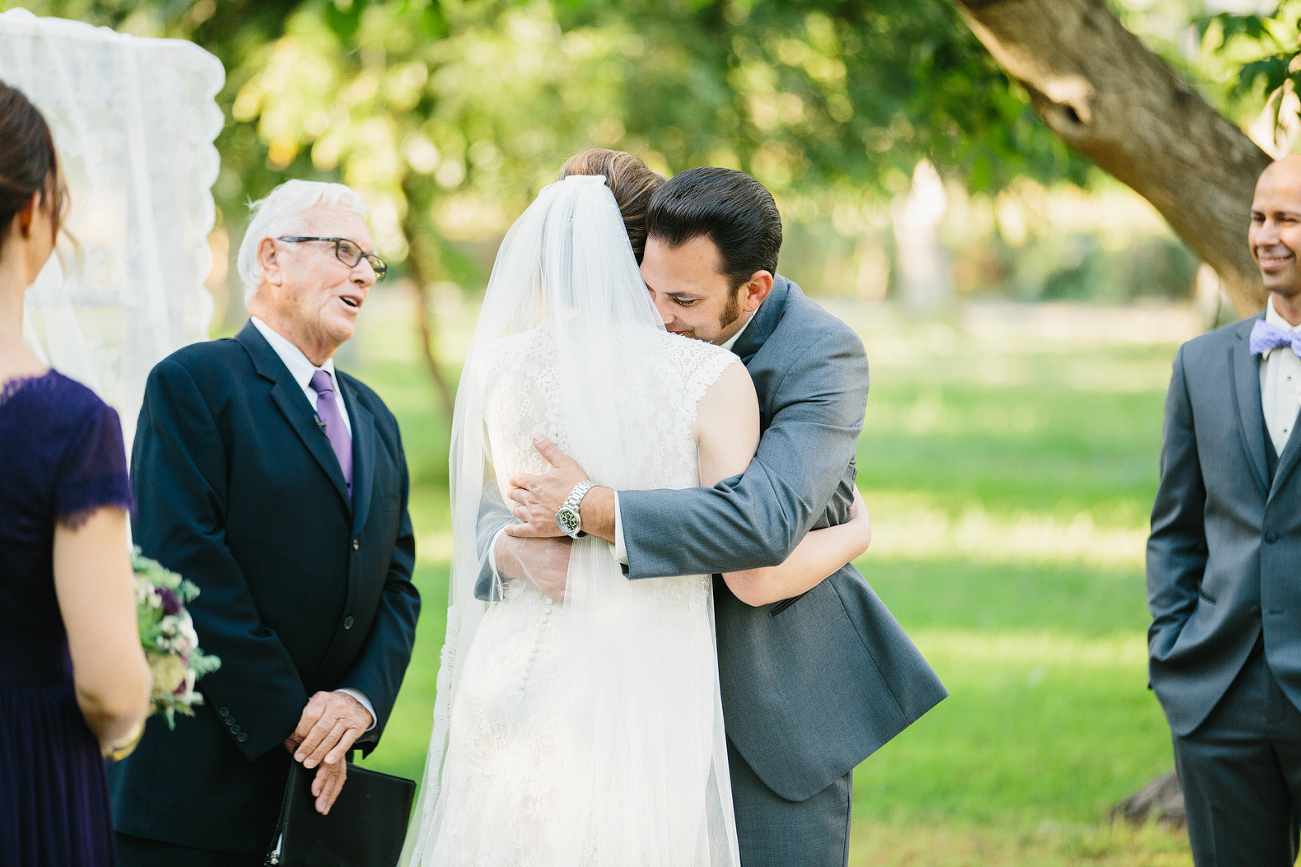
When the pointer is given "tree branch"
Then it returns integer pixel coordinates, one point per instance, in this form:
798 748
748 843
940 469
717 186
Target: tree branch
1109 98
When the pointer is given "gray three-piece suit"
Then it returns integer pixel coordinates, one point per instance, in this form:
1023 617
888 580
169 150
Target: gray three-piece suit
1224 588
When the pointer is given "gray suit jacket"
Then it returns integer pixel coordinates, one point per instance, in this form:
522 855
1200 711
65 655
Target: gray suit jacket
1224 557
813 685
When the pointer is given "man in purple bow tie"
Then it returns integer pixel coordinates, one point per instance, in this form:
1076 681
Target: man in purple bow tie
277 484
1224 559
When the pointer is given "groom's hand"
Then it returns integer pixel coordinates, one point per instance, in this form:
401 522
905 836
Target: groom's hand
330 723
534 500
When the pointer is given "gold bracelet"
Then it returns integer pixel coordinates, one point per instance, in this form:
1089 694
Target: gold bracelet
120 749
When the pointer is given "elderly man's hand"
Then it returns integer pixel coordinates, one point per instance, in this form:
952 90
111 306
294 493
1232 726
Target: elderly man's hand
543 564
330 724
327 785
536 499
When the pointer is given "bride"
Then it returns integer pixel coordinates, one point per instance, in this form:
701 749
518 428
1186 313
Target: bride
588 730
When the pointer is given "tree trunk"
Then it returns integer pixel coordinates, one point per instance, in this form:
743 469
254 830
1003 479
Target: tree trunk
1112 100
421 261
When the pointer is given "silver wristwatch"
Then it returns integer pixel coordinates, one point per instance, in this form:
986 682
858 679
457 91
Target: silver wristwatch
567 519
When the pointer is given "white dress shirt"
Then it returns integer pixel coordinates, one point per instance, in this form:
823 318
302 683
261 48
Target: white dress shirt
301 370
1280 384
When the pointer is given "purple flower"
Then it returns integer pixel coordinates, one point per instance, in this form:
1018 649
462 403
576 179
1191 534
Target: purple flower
171 603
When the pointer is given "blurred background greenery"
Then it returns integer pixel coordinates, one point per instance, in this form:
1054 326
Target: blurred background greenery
1019 305
866 120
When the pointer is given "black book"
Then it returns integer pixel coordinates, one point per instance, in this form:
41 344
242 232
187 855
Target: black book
365 827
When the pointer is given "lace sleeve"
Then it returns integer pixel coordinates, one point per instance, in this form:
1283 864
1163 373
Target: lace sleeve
706 364
92 472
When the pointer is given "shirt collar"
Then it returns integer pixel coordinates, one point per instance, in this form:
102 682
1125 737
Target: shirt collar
731 341
299 367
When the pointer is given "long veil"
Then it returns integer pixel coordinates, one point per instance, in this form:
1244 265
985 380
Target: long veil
568 344
133 120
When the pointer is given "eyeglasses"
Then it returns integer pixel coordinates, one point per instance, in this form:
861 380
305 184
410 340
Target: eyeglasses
349 254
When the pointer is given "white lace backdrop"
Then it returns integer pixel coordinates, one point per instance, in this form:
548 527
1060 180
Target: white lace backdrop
134 121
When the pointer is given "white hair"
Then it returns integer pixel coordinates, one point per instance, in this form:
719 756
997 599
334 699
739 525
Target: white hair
283 212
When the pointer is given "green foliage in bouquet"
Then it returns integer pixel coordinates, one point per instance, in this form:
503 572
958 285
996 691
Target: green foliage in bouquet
168 637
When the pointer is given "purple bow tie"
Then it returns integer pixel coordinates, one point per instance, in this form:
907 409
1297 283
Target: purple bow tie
1266 336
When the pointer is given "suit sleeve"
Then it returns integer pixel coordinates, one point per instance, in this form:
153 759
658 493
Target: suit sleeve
1176 549
384 658
179 472
756 519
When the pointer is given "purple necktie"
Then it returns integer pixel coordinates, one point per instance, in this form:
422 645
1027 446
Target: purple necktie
328 409
1266 336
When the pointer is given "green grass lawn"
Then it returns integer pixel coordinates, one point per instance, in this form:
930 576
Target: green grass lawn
1009 484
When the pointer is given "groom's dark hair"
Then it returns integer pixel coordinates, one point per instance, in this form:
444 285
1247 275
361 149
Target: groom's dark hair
730 208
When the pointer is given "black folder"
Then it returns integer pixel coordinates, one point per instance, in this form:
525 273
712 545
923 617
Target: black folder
365 827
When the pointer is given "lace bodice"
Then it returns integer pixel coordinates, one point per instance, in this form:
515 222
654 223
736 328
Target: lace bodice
668 374
589 732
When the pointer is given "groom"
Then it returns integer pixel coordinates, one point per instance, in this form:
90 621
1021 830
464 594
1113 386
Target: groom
811 685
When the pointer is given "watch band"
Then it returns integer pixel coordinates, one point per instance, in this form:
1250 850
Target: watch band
568 518
576 495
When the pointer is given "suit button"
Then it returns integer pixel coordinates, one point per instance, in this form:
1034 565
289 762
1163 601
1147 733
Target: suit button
222 712
1255 609
1271 537
234 730
241 737
356 543
347 623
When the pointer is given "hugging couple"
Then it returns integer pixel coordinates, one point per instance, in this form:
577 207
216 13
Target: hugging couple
613 703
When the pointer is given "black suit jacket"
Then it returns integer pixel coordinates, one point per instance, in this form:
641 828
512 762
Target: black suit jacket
301 588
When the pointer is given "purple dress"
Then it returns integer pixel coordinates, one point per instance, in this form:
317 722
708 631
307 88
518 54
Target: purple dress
61 458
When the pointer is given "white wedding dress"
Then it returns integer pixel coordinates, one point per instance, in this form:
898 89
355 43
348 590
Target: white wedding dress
589 732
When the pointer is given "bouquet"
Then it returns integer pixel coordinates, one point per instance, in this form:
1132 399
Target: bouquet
167 634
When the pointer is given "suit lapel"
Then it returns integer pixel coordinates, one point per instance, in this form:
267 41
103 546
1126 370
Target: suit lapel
765 320
293 405
1245 382
363 456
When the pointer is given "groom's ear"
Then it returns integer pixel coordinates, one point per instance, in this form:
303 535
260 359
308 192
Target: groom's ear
756 289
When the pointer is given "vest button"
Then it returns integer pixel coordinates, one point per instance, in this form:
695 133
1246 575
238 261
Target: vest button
347 623
1271 537
356 543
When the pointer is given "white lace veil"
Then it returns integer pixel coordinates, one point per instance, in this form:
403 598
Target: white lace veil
566 286
133 121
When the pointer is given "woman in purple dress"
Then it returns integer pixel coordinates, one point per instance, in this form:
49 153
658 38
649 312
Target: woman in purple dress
74 684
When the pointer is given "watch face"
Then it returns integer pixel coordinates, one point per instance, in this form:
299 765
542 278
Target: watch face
567 520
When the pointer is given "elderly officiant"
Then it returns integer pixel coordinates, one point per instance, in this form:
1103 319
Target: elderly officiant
278 485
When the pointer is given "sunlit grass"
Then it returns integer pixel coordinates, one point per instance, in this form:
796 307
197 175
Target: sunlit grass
1010 482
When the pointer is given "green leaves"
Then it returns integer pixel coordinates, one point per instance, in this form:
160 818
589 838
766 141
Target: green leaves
344 17
1265 49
